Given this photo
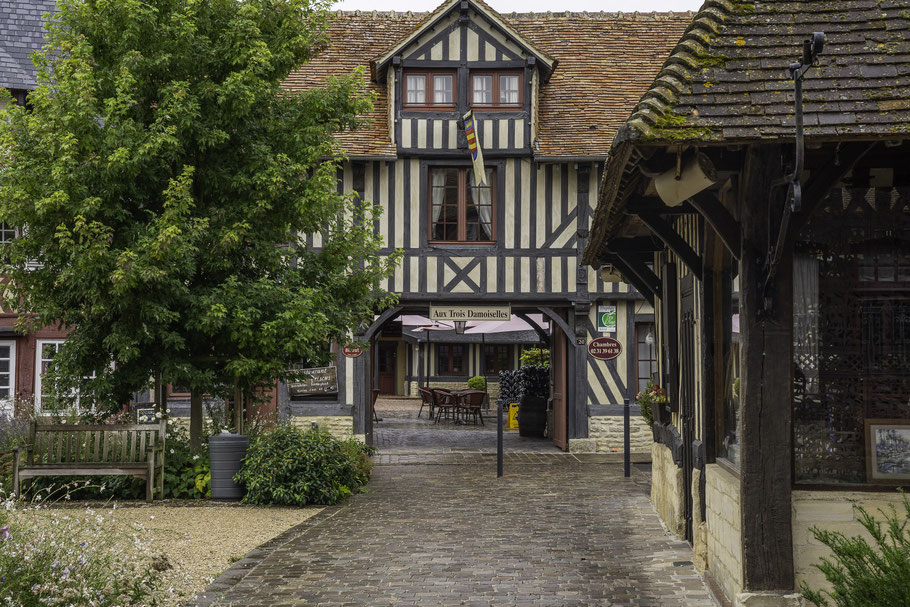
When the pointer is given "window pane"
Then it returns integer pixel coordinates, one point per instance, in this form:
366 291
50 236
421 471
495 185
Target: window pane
479 209
483 90
508 89
4 351
7 233
416 89
457 359
444 204
442 90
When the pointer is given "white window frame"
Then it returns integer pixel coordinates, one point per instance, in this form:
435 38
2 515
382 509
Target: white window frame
6 403
39 347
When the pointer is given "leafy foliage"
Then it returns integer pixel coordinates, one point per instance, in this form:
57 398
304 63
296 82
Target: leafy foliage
863 574
477 383
650 396
167 182
535 357
186 471
290 467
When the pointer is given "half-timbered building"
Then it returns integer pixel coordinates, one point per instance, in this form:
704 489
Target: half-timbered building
548 92
781 278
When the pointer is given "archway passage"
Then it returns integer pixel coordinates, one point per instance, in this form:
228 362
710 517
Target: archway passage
410 354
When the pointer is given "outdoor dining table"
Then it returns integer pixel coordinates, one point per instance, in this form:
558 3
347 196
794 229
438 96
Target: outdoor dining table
461 396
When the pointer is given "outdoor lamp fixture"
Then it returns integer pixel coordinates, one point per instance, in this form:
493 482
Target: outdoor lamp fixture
608 273
685 180
649 338
460 326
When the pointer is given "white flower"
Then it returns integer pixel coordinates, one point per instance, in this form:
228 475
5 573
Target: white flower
172 450
195 457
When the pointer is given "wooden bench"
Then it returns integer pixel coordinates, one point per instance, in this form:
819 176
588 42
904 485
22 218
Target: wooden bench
94 450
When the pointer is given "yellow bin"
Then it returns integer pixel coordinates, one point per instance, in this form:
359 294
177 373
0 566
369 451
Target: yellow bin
513 416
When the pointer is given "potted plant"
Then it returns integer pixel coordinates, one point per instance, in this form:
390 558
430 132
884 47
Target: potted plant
478 383
647 398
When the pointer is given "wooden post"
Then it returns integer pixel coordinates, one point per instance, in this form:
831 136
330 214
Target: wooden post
766 382
195 419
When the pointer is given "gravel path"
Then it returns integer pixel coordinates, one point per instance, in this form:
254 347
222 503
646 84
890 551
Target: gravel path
201 541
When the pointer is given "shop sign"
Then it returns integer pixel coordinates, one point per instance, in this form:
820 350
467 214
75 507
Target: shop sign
606 319
318 380
352 351
470 313
605 348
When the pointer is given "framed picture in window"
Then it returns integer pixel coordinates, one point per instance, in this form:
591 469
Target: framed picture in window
888 451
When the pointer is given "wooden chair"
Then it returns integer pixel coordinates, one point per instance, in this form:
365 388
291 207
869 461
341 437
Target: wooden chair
471 404
135 450
426 400
445 402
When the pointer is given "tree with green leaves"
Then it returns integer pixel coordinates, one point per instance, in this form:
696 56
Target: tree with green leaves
164 182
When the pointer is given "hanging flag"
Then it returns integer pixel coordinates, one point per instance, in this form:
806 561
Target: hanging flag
470 131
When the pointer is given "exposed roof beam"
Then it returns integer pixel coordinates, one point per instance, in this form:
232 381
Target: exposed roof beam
637 273
638 244
717 215
653 204
674 241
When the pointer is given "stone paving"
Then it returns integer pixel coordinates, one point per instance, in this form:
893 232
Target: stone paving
558 529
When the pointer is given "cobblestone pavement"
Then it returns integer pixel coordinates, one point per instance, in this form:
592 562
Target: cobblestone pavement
556 530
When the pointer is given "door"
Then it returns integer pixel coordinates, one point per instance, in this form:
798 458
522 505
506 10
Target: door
560 371
687 389
388 358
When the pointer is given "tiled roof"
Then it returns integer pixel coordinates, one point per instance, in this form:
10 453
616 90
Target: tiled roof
727 79
605 63
21 32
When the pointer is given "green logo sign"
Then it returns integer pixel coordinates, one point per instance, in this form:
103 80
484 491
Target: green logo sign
606 319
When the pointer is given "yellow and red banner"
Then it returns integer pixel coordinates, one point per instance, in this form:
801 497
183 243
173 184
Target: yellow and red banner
470 131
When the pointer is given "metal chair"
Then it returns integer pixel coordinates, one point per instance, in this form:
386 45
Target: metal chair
426 400
471 403
445 402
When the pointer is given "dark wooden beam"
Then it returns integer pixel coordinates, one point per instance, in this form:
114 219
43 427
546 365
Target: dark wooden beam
673 240
821 182
638 244
669 305
766 393
719 218
636 273
653 204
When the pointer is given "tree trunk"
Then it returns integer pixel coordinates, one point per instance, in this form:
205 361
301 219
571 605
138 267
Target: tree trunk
195 419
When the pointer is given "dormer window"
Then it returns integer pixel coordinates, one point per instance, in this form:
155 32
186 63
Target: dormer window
496 89
429 89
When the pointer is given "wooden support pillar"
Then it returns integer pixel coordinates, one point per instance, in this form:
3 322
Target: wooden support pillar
766 382
362 386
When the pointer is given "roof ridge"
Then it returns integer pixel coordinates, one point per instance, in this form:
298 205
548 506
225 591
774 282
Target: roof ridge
688 56
547 14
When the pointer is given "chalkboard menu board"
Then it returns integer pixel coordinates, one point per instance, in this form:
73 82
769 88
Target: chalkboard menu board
319 380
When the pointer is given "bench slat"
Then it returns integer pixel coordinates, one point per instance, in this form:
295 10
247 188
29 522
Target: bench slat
60 440
124 439
143 436
87 427
106 445
134 436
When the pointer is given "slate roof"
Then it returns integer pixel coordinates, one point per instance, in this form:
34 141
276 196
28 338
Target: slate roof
605 62
21 32
727 79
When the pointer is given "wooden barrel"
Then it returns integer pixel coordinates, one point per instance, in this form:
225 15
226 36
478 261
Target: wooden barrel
532 416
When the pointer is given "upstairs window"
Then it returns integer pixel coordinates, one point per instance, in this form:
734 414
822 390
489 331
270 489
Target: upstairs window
496 89
7 233
429 89
460 210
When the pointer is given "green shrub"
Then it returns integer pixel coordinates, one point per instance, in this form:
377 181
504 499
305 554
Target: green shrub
864 575
535 357
290 467
186 472
477 383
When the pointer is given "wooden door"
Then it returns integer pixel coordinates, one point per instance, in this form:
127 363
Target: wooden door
388 357
687 390
560 371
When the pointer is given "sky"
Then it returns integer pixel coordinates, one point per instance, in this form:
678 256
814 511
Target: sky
526 6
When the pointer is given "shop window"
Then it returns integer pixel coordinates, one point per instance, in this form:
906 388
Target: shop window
851 344
429 89
729 439
460 210
450 359
496 89
645 354
497 358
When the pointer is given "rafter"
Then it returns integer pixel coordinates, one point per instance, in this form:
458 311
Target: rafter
674 241
719 218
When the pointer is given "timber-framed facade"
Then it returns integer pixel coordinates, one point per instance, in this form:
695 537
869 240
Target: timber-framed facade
780 317
530 81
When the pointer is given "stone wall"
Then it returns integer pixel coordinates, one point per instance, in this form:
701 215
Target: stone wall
833 511
339 426
724 521
667 489
607 433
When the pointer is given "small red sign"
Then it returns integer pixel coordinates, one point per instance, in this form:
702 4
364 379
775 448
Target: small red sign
352 351
605 348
